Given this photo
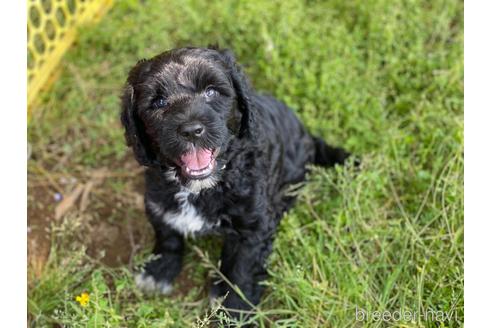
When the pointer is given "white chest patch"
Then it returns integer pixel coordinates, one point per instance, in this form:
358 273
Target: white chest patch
185 220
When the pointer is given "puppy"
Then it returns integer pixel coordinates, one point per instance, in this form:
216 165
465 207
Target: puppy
219 158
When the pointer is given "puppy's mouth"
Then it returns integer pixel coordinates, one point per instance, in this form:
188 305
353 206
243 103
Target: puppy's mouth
198 163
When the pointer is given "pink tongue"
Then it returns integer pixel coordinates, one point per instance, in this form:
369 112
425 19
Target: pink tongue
197 159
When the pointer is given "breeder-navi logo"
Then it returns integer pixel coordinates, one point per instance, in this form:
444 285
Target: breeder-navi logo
405 315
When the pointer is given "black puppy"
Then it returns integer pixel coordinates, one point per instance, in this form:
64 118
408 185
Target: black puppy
219 158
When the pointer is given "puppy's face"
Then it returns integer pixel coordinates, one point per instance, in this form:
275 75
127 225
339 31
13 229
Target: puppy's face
180 110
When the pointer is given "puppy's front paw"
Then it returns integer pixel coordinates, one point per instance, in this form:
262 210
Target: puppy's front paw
149 285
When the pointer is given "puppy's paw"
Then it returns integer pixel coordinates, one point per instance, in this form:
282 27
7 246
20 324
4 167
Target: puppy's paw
217 291
149 285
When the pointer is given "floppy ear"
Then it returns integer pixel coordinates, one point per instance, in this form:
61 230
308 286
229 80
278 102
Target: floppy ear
243 94
134 129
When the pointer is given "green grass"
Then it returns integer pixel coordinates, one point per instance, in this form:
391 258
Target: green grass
382 78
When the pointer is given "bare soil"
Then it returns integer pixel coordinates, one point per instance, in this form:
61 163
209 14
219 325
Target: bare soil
108 221
113 227
40 214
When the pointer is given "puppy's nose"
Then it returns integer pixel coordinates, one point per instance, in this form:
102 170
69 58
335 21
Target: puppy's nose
191 130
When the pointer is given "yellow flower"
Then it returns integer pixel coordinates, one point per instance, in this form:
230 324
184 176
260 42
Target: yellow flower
83 299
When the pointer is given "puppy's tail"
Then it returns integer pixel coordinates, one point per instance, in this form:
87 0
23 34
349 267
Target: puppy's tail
326 155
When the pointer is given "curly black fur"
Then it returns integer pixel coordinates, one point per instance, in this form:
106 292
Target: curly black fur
261 148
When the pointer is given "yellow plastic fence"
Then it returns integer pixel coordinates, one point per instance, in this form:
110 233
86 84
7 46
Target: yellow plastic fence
51 29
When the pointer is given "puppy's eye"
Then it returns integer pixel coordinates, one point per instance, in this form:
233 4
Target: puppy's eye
210 92
159 103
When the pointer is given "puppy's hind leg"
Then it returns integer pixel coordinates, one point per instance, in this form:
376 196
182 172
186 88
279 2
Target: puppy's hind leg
243 263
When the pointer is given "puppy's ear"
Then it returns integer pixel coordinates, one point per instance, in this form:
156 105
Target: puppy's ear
243 94
134 129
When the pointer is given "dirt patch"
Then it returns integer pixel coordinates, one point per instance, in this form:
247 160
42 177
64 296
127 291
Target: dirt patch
107 217
108 211
40 214
116 241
